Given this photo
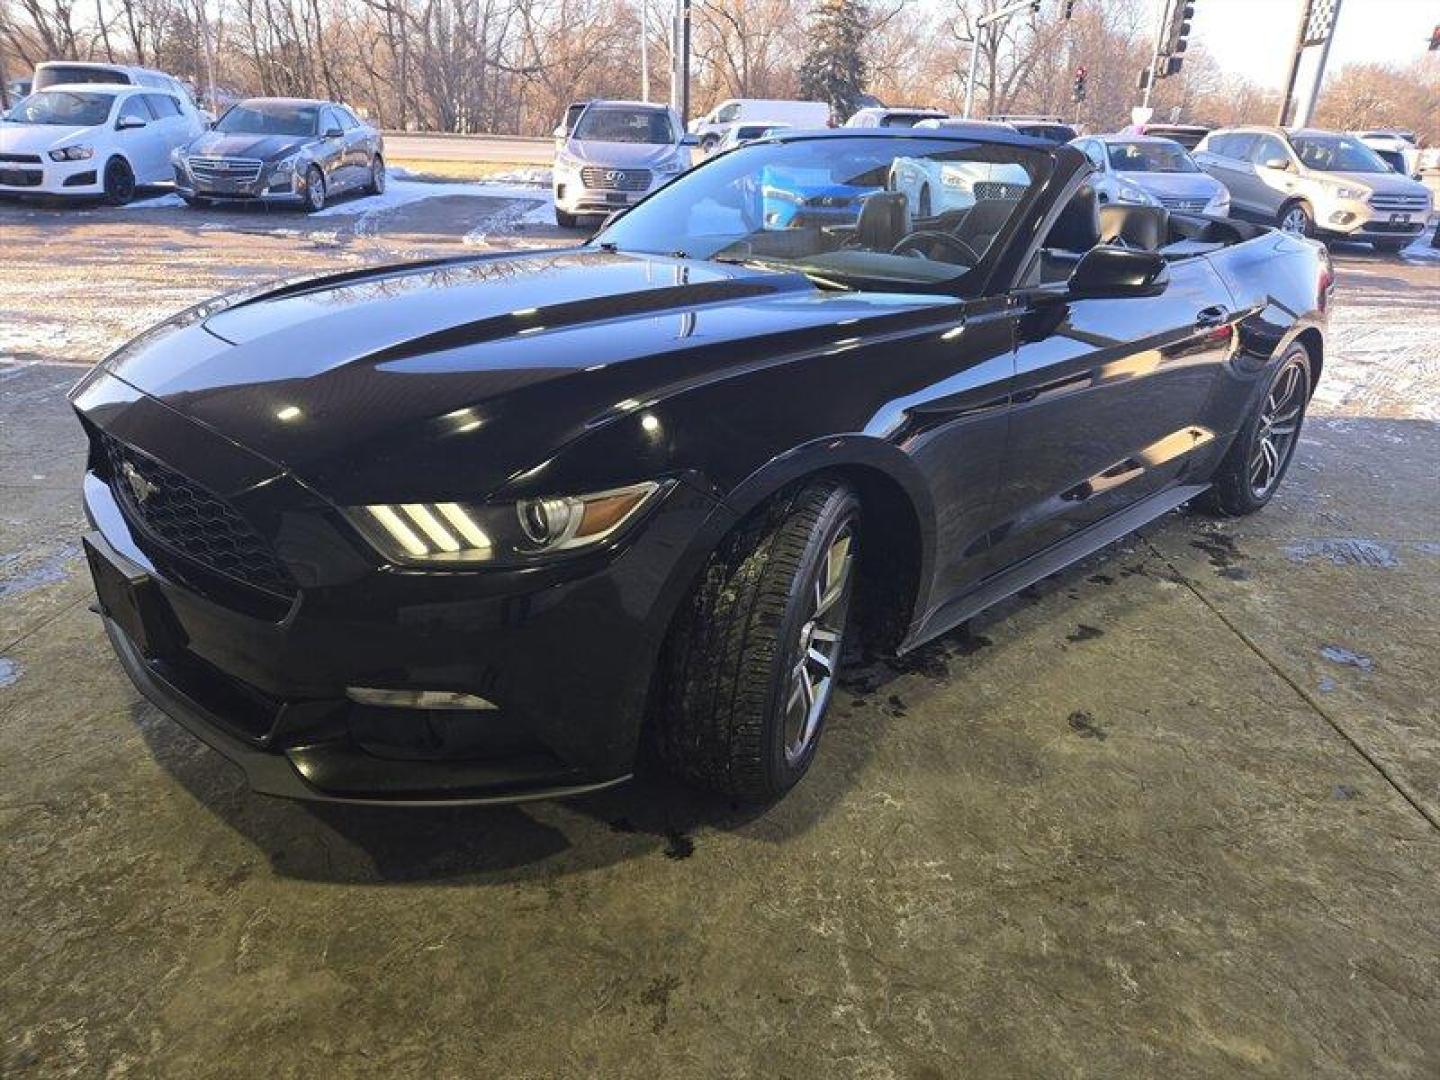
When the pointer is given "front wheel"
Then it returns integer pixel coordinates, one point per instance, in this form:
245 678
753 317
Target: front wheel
753 657
119 182
314 189
1297 219
1257 461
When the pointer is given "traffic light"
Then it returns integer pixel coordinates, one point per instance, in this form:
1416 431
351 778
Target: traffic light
1435 39
1078 93
1070 12
1178 35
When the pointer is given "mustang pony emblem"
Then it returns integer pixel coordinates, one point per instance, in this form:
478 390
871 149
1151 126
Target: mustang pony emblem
139 486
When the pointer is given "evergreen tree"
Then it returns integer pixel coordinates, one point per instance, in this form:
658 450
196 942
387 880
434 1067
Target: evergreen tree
833 70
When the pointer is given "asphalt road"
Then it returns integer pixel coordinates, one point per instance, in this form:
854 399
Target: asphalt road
1170 813
477 149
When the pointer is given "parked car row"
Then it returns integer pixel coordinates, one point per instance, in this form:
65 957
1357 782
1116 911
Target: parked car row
107 130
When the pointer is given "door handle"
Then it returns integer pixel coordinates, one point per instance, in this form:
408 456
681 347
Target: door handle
1211 317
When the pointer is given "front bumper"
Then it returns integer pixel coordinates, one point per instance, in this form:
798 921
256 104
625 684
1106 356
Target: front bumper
288 190
573 197
1357 219
565 656
52 177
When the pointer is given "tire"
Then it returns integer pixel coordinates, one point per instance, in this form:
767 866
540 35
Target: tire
744 702
1277 419
376 186
314 189
564 220
1297 218
119 182
923 206
1392 247
708 144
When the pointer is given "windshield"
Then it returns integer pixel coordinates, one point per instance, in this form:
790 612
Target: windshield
625 126
1153 157
844 210
63 108
1336 153
272 118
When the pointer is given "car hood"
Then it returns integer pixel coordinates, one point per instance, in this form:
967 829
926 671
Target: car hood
37 138
244 145
1174 185
620 155
1378 183
368 385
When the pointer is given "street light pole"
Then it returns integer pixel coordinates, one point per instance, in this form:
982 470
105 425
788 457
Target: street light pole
1295 55
644 58
1304 111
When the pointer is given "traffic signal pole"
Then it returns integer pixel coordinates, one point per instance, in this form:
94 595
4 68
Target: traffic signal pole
1317 27
984 23
1299 51
1160 33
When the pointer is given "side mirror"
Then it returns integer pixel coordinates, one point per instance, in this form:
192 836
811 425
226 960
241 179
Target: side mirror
689 140
1108 272
1281 163
126 123
334 133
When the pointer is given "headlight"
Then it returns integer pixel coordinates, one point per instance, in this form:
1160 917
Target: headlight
671 167
72 153
498 534
1132 194
286 166
1341 192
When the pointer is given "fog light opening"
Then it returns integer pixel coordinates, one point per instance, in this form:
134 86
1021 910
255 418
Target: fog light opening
417 699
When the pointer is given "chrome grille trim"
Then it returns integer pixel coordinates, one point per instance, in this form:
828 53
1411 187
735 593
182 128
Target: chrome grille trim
243 170
603 179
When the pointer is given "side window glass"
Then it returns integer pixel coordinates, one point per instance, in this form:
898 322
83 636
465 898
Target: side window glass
162 105
347 120
1240 146
1267 148
329 121
728 113
1096 153
134 108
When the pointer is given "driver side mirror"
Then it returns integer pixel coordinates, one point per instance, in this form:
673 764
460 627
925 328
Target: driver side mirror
127 123
334 133
1280 163
1107 272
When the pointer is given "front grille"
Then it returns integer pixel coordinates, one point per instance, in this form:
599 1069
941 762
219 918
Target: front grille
593 176
190 521
1185 206
831 202
242 170
21 177
20 159
989 189
1400 204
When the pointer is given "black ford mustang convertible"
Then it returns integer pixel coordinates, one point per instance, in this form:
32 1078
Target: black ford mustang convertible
485 528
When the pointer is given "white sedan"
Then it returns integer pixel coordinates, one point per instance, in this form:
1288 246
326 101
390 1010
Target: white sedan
933 187
92 140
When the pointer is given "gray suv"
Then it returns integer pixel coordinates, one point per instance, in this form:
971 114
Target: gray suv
1316 183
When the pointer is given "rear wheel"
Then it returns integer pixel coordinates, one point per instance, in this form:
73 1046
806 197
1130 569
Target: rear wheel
752 660
1296 218
119 182
1257 461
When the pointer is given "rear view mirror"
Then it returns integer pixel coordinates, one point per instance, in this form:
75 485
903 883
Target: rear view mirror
1108 272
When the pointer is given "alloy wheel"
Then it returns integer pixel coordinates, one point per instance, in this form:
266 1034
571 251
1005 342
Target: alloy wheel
1296 221
377 176
119 182
1278 429
315 189
821 639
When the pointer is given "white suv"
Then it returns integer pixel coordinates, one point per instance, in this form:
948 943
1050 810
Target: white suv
615 154
1316 183
91 139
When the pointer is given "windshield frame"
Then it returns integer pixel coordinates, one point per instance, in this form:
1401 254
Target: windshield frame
971 282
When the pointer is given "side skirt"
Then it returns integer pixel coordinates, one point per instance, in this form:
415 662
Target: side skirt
1044 563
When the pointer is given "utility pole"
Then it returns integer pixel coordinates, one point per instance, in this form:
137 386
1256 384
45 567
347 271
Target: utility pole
680 50
1317 27
644 57
995 18
1160 31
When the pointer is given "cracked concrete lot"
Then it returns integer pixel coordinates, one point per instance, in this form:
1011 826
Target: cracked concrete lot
1174 812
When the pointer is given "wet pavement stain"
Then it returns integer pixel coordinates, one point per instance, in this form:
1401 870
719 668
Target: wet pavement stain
895 705
1084 725
1342 551
1338 654
1221 549
1345 791
1082 632
1100 579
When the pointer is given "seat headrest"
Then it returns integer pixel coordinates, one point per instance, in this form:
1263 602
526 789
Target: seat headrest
884 219
1078 226
1143 227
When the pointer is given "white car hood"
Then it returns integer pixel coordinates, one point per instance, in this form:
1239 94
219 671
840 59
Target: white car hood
37 138
1378 183
618 155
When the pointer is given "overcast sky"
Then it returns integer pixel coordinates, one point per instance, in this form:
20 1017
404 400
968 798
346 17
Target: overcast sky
1254 37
